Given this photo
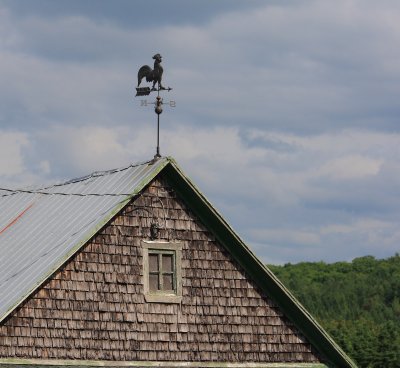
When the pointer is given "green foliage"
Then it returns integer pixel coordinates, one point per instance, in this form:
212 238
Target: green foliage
358 303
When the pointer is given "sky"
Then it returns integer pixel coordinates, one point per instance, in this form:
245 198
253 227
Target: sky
287 112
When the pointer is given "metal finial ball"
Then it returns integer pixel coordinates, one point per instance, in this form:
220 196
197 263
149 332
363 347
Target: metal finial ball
158 107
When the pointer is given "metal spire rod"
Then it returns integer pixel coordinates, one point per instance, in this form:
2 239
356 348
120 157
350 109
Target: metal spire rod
158 110
155 76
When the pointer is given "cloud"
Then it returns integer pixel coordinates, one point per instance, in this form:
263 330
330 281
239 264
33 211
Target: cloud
11 153
287 236
309 193
81 150
309 67
350 167
147 15
15 171
358 225
286 117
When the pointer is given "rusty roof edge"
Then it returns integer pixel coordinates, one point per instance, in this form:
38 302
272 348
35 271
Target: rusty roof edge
161 163
321 335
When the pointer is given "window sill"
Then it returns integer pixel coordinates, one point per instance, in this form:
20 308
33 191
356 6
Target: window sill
163 298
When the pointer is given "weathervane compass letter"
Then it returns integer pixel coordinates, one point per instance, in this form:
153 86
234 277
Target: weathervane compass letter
155 76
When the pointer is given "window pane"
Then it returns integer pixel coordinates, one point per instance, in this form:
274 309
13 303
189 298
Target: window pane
153 263
167 263
168 282
153 282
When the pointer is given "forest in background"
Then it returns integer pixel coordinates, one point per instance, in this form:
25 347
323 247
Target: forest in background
357 303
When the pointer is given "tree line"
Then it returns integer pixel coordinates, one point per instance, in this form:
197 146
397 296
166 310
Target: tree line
357 303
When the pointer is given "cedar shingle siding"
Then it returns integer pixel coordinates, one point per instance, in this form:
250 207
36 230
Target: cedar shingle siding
94 307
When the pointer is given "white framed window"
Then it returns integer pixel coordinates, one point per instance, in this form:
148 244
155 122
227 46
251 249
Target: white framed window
162 271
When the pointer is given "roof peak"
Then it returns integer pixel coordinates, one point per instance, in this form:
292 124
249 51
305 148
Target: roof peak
94 174
108 172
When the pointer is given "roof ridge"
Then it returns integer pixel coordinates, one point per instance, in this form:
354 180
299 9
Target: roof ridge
95 174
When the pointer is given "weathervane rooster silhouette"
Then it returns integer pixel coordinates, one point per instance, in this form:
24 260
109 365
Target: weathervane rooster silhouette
153 75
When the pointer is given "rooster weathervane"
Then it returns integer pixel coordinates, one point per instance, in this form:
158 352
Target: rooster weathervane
153 75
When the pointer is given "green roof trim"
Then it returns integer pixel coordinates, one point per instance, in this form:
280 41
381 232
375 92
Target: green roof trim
263 277
50 363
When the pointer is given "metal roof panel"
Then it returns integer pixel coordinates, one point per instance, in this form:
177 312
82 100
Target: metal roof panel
39 232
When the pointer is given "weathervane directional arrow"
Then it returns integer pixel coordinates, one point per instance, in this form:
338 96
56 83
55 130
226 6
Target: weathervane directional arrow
155 76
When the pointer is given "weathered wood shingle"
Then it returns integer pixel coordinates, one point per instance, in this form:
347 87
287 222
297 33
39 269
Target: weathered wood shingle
94 308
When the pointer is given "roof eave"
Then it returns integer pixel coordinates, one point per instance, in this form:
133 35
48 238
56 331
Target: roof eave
264 277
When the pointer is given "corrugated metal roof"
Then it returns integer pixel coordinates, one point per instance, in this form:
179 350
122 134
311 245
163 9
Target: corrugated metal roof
39 232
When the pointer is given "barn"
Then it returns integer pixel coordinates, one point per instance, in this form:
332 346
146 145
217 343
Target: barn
134 267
